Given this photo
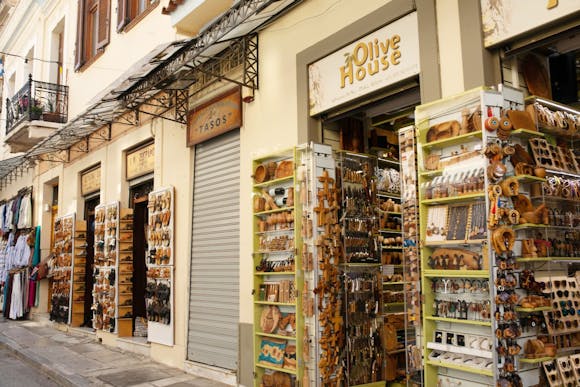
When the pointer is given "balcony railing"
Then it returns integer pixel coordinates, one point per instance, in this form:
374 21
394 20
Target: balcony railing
37 101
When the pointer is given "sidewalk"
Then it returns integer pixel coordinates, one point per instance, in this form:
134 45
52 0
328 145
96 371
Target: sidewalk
73 359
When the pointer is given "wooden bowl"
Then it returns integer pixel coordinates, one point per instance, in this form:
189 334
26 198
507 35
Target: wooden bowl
260 174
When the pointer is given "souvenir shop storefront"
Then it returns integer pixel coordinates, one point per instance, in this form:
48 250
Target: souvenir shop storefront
416 241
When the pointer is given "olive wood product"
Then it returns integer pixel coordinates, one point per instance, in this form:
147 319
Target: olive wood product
536 76
529 214
260 174
285 168
443 130
510 186
454 259
521 119
270 318
502 239
521 156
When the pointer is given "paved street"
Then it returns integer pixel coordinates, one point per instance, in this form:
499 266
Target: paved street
15 372
73 359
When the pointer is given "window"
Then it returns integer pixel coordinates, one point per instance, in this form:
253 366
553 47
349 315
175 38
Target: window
132 11
93 25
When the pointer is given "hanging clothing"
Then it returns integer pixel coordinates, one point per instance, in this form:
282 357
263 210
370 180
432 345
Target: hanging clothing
16 309
8 219
2 215
36 255
25 212
15 212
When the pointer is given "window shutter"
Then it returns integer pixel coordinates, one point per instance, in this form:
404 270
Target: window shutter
122 17
104 23
79 52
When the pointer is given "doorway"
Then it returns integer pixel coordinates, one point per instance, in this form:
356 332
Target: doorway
89 211
138 200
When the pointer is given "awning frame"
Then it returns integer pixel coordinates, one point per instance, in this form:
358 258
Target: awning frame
171 70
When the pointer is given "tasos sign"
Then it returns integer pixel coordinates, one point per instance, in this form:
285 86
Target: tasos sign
382 58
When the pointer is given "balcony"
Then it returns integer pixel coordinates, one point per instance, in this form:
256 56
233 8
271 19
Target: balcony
34 112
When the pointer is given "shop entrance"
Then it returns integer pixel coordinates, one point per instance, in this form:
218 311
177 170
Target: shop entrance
138 200
90 204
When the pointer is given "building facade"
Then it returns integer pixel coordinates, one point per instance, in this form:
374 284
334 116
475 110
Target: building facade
180 98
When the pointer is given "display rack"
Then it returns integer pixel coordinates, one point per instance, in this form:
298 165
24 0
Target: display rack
512 255
160 265
360 269
278 321
458 339
79 273
411 263
61 280
105 270
125 269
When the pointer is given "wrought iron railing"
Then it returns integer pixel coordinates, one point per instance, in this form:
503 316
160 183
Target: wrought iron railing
37 100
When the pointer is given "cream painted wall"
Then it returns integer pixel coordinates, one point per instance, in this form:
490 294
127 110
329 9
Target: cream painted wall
270 122
123 50
450 59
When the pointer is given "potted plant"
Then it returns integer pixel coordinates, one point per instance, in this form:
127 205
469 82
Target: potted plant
35 112
51 115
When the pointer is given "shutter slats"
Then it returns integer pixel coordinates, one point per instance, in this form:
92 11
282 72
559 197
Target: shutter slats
104 23
214 292
79 49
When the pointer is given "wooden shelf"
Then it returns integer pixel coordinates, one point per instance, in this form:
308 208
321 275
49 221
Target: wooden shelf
268 367
524 226
459 321
282 337
390 213
274 182
532 310
454 199
454 366
526 133
529 179
535 360
453 140
430 174
456 273
292 273
462 350
275 303
393 162
274 211
390 230
455 242
383 194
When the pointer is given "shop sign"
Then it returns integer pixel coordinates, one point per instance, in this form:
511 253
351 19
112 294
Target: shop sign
216 117
380 59
91 181
141 161
506 19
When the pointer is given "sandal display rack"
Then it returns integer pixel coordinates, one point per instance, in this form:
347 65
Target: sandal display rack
160 266
278 280
105 267
61 284
79 273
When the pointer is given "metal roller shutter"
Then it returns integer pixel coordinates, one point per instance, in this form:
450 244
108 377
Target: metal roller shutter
214 292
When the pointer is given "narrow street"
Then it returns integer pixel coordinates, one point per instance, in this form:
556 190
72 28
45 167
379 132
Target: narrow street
15 372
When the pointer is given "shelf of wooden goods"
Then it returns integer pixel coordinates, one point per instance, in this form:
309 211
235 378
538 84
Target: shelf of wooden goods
426 116
78 293
261 277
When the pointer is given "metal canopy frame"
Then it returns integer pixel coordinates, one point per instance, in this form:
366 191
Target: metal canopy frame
161 80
